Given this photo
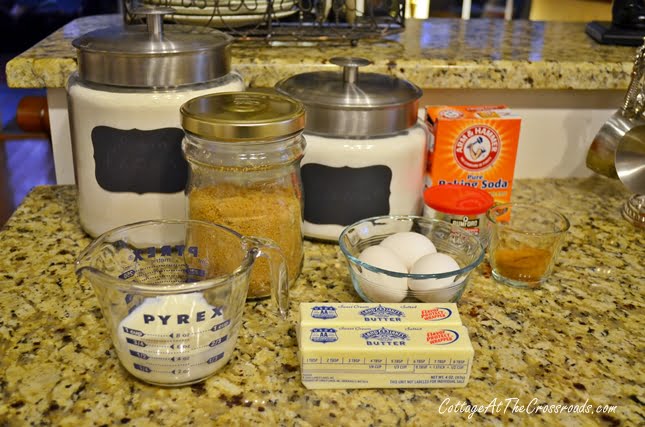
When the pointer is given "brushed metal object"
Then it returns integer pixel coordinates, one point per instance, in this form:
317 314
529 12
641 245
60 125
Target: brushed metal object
630 160
601 157
349 103
152 56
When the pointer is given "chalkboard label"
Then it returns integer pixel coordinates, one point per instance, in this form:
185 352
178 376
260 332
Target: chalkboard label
139 161
342 196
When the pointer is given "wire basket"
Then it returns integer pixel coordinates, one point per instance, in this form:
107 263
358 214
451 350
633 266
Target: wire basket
286 20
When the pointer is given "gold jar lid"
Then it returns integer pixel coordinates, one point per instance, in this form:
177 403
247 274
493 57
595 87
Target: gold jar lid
242 116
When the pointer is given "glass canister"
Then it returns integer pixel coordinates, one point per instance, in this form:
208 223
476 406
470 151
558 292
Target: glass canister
366 147
244 151
460 205
124 115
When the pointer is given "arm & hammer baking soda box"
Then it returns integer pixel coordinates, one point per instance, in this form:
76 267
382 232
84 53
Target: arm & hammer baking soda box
475 146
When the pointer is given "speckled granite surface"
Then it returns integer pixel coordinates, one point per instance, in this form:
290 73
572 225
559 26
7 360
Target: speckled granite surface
436 53
580 339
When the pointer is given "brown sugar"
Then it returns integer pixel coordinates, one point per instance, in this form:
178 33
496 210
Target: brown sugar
524 264
269 211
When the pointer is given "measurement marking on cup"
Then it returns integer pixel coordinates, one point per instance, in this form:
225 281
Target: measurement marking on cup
145 356
175 335
138 343
135 332
150 362
147 369
172 364
211 344
138 333
220 325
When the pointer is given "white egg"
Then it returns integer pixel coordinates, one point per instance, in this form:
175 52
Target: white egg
409 246
433 264
379 287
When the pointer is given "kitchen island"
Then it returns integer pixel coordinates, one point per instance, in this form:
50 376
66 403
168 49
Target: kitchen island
562 83
577 341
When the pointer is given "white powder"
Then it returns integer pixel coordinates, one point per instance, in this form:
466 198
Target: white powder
102 210
175 339
404 154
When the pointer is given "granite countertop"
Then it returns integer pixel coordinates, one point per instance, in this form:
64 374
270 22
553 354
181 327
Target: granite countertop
578 340
435 53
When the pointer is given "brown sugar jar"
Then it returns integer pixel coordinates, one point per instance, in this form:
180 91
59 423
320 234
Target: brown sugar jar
244 151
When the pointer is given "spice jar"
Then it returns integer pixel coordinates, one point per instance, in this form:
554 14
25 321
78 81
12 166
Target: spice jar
460 205
366 147
124 115
244 151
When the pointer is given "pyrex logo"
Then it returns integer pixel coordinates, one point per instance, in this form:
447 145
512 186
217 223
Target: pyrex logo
182 318
477 147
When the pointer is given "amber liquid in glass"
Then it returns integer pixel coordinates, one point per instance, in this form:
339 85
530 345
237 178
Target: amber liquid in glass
522 264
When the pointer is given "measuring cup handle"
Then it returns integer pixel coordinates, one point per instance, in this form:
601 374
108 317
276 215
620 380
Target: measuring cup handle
633 103
266 248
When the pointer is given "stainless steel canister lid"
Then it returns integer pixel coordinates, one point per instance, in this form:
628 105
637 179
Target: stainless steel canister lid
353 104
242 116
146 56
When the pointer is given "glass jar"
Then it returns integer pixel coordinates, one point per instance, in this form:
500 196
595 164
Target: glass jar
366 148
347 179
123 109
460 205
244 151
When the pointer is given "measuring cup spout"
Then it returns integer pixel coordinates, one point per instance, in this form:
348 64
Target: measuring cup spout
267 249
85 261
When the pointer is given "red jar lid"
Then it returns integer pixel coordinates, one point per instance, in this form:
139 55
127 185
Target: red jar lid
458 199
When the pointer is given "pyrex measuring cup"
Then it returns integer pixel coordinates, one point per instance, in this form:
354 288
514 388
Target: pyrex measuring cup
172 293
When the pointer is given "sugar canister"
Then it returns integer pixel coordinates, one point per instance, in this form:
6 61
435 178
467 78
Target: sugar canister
124 115
244 151
366 148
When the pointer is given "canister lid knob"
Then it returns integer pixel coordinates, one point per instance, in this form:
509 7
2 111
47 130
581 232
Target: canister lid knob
350 66
154 18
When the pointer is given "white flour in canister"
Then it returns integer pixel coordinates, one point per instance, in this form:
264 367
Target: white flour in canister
175 339
404 154
93 106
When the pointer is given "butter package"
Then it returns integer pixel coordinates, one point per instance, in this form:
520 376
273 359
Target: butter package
352 313
474 146
389 356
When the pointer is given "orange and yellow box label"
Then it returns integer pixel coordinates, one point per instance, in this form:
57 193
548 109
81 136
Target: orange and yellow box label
474 146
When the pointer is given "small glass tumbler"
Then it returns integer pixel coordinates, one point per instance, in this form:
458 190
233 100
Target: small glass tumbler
525 241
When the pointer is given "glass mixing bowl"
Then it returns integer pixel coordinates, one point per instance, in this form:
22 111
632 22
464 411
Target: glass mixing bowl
374 284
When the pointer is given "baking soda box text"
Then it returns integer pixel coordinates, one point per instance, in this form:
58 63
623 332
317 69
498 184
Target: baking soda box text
475 146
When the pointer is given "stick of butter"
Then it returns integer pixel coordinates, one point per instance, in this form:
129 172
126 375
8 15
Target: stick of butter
384 356
426 314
